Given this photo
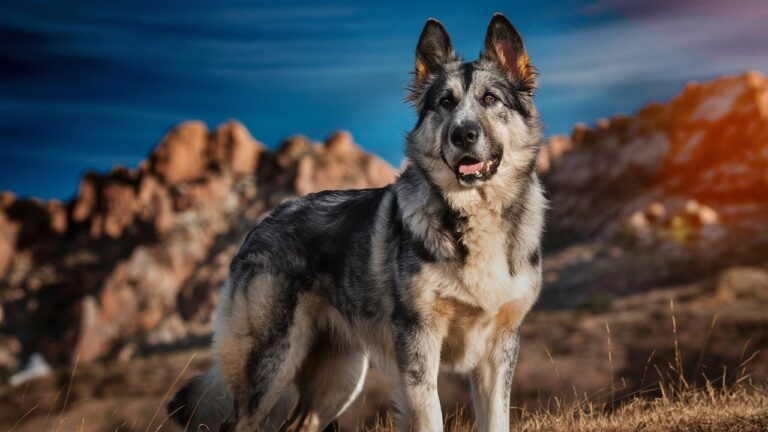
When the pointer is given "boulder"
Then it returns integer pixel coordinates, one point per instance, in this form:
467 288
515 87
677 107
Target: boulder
233 148
86 199
743 283
340 164
182 155
8 231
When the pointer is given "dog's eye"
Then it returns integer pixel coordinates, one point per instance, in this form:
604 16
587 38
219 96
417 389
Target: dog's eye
489 99
447 102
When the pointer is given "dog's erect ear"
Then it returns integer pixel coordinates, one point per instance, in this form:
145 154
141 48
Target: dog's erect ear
432 52
504 45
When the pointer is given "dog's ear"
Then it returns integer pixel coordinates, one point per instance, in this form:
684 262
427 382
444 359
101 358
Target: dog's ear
432 52
504 45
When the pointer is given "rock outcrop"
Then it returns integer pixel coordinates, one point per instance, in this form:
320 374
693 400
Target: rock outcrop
683 186
134 261
709 144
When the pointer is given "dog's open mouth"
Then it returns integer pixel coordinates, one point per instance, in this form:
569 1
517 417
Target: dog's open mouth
470 169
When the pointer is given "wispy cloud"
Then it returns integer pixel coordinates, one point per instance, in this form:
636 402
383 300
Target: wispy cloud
639 51
658 40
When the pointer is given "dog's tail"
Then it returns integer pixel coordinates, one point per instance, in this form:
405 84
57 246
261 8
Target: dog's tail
204 403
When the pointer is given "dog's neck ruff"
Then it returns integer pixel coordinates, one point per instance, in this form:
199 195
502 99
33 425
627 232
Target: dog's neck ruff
438 217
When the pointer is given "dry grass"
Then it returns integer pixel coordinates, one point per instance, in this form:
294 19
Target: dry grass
733 403
706 409
743 409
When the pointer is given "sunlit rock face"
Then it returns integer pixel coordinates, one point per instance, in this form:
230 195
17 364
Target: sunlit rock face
685 181
708 144
134 261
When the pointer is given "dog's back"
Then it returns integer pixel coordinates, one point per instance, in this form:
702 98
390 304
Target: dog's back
322 239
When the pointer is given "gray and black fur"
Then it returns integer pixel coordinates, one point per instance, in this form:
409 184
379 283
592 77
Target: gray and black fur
434 272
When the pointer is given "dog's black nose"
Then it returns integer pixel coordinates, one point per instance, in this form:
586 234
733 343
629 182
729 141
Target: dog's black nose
465 135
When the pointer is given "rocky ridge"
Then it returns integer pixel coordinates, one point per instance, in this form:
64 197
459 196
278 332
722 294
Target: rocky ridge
134 260
677 192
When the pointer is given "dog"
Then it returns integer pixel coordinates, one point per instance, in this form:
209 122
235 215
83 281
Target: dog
434 272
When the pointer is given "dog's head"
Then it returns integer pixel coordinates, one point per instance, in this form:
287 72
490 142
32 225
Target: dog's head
477 124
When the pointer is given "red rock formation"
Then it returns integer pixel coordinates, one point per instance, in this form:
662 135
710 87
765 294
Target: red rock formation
139 253
340 161
182 155
670 195
232 147
708 144
8 232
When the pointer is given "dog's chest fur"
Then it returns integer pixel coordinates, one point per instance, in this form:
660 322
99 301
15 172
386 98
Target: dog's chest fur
479 298
489 273
470 332
485 277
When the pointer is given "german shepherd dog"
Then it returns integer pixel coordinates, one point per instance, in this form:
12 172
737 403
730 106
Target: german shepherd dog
434 272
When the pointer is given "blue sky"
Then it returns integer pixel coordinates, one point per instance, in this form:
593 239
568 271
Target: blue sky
90 84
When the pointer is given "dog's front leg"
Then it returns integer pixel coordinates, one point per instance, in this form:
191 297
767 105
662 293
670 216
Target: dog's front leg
492 382
418 358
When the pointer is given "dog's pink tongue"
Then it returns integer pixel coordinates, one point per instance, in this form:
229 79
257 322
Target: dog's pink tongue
470 169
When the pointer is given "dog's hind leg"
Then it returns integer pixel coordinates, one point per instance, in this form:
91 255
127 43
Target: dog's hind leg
263 336
329 382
